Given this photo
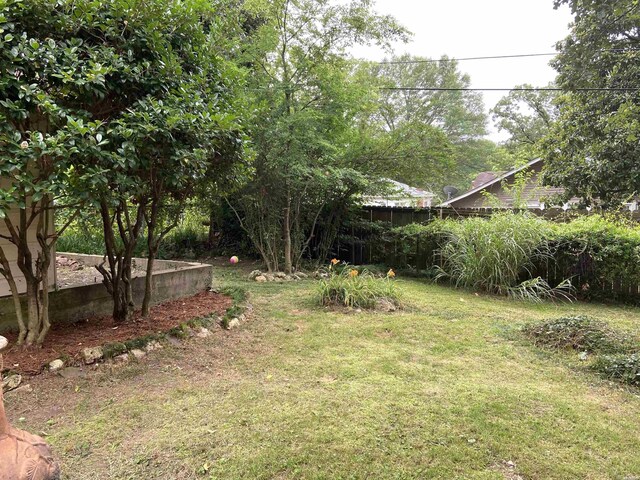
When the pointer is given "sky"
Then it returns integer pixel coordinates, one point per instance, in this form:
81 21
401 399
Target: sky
473 28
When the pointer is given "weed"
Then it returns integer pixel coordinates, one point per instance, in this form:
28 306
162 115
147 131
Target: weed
622 368
579 333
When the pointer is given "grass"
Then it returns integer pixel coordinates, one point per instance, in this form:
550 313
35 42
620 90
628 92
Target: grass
444 389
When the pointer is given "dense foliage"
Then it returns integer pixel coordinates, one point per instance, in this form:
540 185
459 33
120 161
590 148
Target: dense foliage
117 108
599 255
592 150
622 368
427 138
305 97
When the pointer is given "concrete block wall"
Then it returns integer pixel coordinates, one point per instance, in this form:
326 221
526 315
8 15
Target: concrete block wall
171 280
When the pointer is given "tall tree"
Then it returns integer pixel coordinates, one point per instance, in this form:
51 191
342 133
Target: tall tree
432 133
526 115
306 101
593 149
46 76
167 133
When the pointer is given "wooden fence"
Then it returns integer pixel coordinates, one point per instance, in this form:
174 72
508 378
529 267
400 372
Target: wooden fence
365 245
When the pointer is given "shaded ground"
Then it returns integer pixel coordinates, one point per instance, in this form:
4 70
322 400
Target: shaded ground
70 340
445 389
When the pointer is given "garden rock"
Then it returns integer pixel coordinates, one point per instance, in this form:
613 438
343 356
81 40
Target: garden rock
153 345
11 383
122 358
92 355
136 352
255 274
385 305
56 365
280 275
22 389
202 332
261 279
234 323
302 275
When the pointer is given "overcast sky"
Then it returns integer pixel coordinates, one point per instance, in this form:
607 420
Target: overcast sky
473 28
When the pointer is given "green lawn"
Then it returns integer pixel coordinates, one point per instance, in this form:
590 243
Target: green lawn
444 389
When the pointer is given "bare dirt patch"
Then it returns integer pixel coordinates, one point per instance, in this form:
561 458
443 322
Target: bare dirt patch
69 340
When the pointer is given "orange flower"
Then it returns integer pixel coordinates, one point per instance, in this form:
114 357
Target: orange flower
391 273
353 273
334 261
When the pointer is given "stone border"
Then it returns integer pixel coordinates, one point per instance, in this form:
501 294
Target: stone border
121 352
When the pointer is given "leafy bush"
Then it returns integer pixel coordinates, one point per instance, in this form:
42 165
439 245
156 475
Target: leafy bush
579 333
492 254
597 252
622 368
358 289
188 240
507 252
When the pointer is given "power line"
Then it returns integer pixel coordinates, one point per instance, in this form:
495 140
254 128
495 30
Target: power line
492 57
532 89
495 57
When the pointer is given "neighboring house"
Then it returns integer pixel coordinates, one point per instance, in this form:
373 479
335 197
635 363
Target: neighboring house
494 189
401 195
12 254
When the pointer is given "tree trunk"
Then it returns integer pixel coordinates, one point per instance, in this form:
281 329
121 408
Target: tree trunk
5 271
148 286
288 263
33 315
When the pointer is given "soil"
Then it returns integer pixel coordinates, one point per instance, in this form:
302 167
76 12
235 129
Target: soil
70 340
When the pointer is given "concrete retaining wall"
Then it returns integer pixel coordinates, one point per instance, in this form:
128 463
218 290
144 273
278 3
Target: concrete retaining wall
171 280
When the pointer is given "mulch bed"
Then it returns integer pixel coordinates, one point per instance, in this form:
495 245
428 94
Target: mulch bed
69 340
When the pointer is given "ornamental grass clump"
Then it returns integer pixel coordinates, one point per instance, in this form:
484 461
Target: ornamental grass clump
496 254
350 287
580 333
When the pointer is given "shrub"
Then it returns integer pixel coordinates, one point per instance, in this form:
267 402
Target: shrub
622 368
598 252
492 254
358 289
579 333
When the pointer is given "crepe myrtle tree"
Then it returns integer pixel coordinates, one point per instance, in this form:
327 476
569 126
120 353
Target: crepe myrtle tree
42 135
76 78
306 100
180 144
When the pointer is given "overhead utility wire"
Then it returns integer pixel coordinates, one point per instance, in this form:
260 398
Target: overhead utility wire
494 57
439 89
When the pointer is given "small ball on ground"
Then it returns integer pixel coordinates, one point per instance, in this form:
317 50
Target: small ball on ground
234 259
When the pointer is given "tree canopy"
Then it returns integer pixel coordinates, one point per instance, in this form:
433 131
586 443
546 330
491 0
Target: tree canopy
121 106
593 150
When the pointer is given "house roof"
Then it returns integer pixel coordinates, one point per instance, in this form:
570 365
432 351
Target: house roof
409 191
497 179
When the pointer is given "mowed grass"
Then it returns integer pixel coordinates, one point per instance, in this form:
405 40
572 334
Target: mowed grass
443 389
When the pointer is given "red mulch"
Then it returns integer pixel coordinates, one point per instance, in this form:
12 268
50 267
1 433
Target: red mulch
69 340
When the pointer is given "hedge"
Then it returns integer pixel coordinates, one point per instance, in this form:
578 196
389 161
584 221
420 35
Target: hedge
599 254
